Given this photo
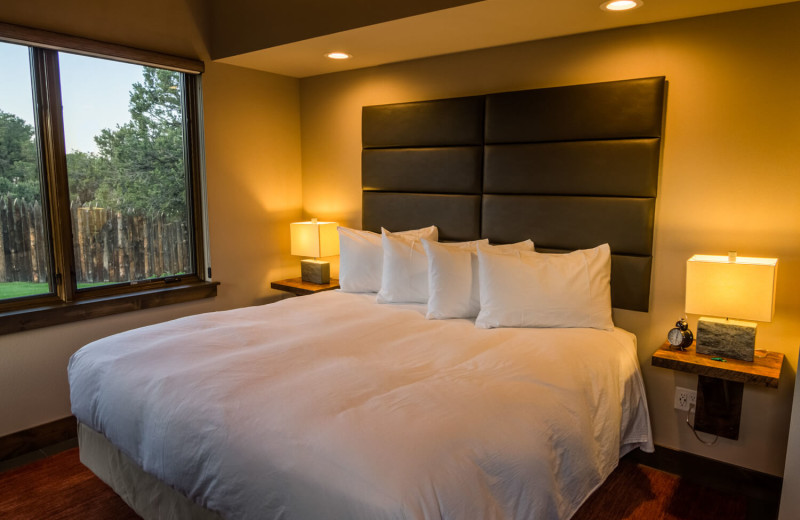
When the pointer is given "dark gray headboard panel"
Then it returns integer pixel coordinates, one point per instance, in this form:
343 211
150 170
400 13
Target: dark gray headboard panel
456 216
444 122
454 169
574 168
570 167
570 222
613 110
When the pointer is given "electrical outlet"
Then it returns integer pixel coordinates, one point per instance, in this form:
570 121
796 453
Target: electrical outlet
685 398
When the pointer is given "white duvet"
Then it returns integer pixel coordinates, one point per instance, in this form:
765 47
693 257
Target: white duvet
334 407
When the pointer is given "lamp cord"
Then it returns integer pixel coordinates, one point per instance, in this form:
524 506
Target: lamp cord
691 426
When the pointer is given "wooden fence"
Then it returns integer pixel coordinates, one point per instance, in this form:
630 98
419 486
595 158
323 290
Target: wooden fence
109 246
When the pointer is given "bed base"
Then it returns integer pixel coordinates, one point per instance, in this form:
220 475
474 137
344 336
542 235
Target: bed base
145 494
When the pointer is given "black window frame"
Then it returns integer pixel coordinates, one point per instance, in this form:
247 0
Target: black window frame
66 303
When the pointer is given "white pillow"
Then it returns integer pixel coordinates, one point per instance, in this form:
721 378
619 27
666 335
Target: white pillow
361 257
453 290
405 269
529 289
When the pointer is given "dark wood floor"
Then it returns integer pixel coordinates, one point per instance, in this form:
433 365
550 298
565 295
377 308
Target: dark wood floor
58 487
38 454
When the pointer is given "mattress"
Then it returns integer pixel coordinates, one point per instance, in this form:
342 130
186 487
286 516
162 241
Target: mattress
333 406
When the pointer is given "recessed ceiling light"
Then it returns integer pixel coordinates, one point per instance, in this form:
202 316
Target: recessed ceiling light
338 56
620 5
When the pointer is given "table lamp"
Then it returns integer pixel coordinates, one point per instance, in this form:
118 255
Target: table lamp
314 239
730 287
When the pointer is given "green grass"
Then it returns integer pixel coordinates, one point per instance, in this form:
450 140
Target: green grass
10 290
93 284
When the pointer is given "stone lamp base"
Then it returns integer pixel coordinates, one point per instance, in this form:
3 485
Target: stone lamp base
726 338
315 271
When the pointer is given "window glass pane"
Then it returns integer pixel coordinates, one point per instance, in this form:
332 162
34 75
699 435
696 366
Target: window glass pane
24 251
124 134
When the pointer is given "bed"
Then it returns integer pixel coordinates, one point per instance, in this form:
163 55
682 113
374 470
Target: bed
337 406
387 416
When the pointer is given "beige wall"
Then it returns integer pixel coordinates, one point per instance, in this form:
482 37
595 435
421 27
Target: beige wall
729 177
252 132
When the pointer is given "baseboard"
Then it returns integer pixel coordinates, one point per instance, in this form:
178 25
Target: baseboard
38 437
762 490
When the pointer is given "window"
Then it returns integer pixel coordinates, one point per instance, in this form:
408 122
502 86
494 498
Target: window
100 182
127 182
25 259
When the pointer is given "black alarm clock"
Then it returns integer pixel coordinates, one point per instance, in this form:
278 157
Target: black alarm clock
680 337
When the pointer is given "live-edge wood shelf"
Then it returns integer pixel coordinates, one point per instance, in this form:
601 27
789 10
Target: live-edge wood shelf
300 288
765 369
720 384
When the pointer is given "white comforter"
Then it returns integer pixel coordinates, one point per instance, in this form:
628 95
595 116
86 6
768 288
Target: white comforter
332 406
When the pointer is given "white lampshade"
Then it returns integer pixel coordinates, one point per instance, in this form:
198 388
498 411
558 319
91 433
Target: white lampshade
314 238
731 287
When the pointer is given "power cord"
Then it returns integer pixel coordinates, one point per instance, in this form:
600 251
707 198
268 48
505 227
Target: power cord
691 426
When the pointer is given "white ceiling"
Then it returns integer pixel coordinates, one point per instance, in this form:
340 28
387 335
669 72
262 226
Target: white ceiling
487 23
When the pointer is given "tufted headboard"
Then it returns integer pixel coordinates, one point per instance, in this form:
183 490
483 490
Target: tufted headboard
570 167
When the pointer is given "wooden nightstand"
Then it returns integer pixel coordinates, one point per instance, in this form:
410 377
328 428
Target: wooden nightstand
300 288
720 384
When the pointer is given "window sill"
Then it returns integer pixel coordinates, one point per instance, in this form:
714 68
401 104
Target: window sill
57 314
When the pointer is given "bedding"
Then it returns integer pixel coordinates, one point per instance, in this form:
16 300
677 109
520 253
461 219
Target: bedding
406 267
332 406
453 289
530 289
361 257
